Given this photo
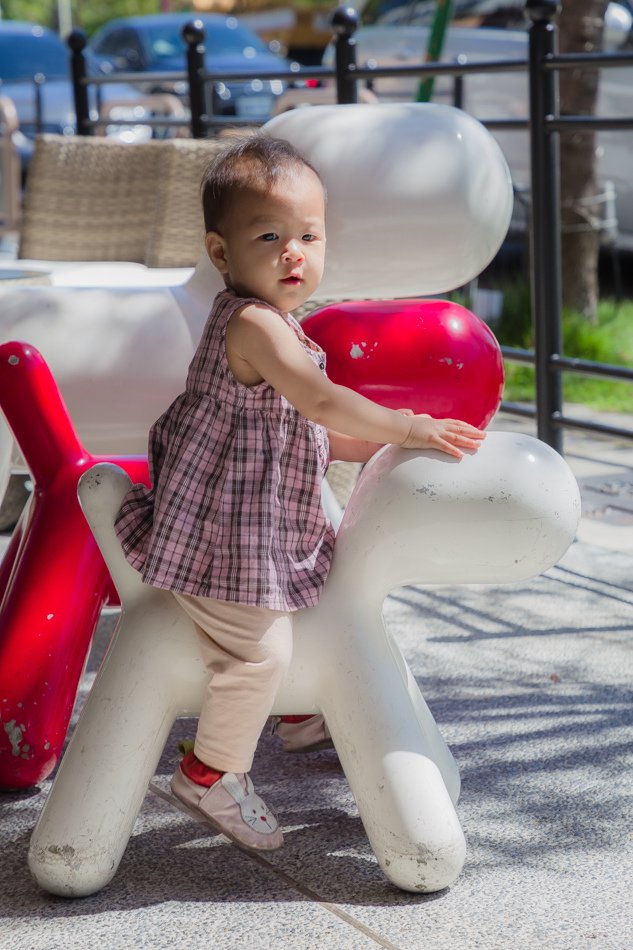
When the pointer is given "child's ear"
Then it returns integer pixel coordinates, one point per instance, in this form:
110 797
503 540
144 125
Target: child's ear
216 249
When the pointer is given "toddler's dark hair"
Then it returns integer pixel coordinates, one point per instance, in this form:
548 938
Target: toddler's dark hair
256 161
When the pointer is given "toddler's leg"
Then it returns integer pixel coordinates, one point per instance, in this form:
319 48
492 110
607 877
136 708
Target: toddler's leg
247 650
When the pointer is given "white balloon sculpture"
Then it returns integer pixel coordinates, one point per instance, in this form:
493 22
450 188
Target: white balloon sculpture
502 515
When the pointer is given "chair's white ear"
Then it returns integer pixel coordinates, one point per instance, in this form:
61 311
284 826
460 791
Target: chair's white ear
419 195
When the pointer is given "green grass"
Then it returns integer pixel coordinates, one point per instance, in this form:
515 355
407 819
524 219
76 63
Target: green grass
610 340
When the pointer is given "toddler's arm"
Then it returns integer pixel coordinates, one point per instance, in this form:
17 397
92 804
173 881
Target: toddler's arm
260 341
344 448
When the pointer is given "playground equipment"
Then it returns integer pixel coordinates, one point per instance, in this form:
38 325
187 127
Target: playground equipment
432 197
503 514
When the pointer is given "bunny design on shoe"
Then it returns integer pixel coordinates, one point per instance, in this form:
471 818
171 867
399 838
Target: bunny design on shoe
234 809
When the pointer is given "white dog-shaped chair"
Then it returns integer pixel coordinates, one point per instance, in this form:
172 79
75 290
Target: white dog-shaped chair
504 514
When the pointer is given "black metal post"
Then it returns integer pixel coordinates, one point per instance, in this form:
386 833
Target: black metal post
344 22
38 81
545 250
77 43
193 35
458 92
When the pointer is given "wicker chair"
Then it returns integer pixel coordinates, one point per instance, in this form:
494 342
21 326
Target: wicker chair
9 168
94 199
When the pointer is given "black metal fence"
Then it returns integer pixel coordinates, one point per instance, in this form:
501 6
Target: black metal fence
545 125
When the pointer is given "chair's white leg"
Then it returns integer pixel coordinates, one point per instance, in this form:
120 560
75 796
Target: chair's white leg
150 676
387 748
440 752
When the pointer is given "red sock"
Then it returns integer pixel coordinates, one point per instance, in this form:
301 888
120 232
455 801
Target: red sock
198 772
296 718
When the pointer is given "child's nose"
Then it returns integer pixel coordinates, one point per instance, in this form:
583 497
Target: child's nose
293 251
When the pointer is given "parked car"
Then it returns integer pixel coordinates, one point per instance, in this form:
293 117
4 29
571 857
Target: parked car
154 43
35 65
510 14
391 40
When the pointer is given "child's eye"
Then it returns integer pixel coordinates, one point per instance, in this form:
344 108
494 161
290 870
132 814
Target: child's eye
309 237
270 236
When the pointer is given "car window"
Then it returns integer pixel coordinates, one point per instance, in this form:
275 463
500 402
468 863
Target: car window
233 37
118 42
22 57
165 41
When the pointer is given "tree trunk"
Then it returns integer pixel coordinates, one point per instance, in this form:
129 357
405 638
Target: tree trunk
581 26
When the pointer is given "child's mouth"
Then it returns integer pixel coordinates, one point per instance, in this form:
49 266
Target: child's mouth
292 281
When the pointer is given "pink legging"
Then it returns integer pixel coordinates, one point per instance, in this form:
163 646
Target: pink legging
247 650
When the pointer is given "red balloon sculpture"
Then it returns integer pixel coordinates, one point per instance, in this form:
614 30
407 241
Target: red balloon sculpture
431 356
53 580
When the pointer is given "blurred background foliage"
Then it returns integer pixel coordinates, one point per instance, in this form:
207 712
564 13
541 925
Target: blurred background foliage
89 15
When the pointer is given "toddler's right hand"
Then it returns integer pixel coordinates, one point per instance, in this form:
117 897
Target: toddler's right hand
445 435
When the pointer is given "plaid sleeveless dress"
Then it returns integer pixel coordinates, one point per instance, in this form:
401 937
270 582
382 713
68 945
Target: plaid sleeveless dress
234 512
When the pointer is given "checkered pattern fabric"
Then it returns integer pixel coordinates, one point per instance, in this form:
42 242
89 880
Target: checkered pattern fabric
234 511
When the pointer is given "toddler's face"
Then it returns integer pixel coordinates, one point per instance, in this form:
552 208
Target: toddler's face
272 245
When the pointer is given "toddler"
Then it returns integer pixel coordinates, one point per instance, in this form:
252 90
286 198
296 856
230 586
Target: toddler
233 524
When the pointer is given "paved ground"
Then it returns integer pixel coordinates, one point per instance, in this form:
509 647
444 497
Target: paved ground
531 685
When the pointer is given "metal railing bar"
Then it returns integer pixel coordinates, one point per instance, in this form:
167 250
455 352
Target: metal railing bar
505 123
368 72
138 78
578 123
571 364
437 69
517 355
135 78
561 421
155 120
587 61
517 410
290 75
320 72
568 422
234 120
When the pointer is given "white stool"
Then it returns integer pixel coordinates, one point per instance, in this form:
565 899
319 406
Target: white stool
502 515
